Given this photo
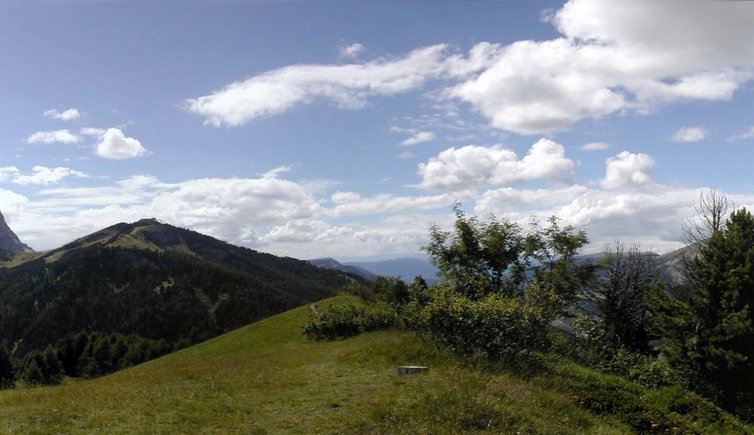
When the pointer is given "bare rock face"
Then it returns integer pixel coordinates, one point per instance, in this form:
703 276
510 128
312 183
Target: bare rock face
9 241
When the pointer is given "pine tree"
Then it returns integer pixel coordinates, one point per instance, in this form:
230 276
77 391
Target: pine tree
619 297
708 332
52 369
31 369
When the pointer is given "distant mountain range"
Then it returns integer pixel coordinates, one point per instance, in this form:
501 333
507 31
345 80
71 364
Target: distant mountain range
670 266
153 280
406 268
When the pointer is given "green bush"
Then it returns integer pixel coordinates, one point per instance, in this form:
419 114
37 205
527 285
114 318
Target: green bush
498 328
669 409
340 321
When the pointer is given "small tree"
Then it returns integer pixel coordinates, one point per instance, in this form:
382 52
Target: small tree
52 369
708 332
501 288
554 248
31 369
479 258
619 297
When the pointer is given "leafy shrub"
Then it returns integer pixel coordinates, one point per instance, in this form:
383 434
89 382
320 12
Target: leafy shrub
670 409
340 321
497 327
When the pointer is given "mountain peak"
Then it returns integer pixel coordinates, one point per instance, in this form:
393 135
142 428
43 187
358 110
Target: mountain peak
9 241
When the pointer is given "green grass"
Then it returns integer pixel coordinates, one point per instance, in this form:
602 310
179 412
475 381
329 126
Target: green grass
267 378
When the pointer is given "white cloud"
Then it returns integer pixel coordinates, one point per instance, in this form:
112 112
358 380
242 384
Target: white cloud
46 176
538 87
346 86
229 208
595 146
298 231
627 169
92 131
652 216
419 137
284 217
8 172
11 205
63 136
613 58
690 134
352 50
610 59
748 134
472 165
273 173
391 237
113 144
353 204
66 115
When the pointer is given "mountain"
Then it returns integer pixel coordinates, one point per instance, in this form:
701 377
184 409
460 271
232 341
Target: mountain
406 268
332 264
9 241
153 280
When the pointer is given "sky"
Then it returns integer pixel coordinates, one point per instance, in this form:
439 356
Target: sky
347 128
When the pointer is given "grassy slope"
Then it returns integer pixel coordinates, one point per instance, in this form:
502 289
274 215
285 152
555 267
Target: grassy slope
266 378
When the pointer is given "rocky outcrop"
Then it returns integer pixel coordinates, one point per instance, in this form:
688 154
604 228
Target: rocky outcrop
9 241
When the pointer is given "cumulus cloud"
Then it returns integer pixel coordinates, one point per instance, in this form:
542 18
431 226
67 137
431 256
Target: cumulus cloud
45 176
66 115
595 146
226 208
352 50
232 209
651 217
62 136
473 165
627 169
419 137
612 58
11 205
113 144
690 134
347 86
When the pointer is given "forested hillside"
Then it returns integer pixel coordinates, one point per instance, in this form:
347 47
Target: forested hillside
151 280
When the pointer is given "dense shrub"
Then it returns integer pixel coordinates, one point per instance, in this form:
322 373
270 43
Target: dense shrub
497 327
339 321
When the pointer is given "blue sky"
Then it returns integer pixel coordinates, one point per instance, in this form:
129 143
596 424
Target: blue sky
345 129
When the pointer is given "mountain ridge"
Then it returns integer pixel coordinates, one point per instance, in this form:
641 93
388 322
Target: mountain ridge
153 280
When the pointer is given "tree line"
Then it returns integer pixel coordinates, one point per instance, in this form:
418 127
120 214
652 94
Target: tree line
84 354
